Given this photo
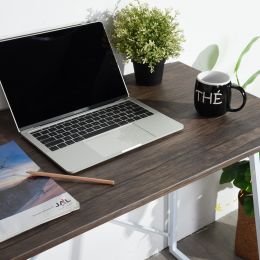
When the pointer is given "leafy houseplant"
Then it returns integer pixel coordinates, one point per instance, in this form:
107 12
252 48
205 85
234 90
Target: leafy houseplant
246 240
239 173
147 36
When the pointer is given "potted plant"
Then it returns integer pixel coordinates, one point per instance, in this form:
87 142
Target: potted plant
246 241
147 36
239 174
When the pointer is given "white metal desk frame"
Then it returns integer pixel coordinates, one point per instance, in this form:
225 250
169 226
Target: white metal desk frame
171 234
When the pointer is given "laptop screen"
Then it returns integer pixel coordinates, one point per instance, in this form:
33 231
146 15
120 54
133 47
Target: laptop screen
54 73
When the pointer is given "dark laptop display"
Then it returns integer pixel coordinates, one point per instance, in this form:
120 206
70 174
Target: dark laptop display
52 74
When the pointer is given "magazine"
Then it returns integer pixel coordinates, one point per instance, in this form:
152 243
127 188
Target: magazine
26 202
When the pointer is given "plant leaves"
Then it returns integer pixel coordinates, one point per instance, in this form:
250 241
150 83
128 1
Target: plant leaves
241 183
248 205
147 35
243 178
249 188
207 58
231 172
228 176
248 174
246 49
251 79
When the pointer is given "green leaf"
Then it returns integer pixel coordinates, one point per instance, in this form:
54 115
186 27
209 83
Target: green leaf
207 58
249 188
241 183
243 179
231 172
251 79
248 205
246 49
228 176
247 173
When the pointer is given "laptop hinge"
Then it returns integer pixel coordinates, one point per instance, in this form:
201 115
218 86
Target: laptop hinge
58 118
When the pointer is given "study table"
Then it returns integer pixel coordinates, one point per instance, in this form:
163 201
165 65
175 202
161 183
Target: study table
149 172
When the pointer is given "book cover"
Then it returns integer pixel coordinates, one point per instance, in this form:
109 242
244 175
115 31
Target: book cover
26 202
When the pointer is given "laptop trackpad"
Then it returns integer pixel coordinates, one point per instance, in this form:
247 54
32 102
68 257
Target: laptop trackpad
119 140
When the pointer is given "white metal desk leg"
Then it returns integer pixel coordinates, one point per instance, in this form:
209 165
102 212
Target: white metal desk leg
172 226
255 176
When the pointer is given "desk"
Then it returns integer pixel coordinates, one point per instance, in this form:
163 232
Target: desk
205 146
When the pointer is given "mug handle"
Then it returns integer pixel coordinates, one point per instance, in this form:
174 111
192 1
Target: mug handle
242 91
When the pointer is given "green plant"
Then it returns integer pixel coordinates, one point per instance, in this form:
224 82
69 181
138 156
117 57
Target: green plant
147 35
239 173
246 50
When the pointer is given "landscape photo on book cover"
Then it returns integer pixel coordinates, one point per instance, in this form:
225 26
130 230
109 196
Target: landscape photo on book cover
18 192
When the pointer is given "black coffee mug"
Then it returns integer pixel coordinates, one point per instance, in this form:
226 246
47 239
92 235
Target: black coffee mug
212 95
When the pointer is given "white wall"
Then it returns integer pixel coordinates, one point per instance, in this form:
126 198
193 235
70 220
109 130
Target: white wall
208 25
111 241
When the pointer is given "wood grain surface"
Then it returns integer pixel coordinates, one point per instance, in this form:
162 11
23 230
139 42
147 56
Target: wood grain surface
152 171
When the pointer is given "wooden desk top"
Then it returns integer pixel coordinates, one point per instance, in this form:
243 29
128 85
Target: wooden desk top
145 174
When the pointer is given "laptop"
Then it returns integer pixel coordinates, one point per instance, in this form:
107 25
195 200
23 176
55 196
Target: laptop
68 97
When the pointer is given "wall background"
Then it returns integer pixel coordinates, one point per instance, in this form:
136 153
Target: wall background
213 29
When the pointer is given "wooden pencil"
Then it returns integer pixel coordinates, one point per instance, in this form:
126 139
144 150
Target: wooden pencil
71 177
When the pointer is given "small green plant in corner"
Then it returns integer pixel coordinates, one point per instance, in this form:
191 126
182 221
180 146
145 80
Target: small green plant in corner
147 35
239 173
252 78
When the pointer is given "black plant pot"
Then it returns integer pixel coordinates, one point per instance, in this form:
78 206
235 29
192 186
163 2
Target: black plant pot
143 75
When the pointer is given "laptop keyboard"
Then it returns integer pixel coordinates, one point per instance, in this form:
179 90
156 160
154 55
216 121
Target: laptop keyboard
77 129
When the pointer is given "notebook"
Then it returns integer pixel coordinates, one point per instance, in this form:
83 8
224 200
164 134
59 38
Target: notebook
27 202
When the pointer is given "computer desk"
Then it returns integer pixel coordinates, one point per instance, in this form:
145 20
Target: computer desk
150 172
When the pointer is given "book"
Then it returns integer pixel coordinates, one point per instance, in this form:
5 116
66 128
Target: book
26 202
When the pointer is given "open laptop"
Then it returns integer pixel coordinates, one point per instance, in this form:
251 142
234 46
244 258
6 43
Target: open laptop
68 97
